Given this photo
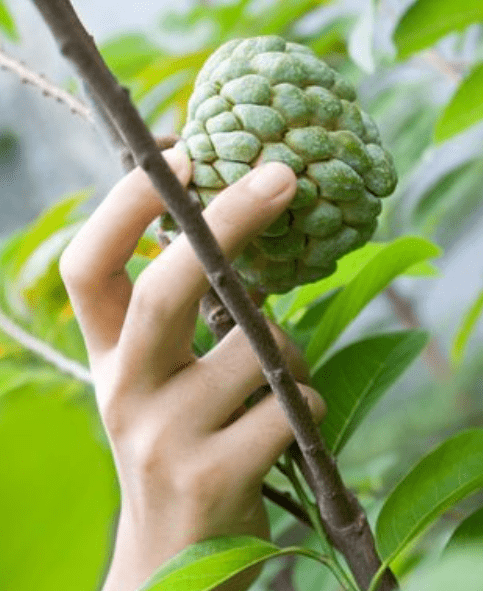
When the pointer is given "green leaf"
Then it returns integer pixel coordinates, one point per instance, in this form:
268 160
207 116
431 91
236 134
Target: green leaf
127 55
466 106
377 274
469 533
275 19
310 576
465 330
410 134
50 221
331 39
446 475
161 69
204 339
457 180
136 265
426 21
218 20
186 21
347 268
230 18
203 566
47 292
460 190
7 23
354 379
302 331
15 376
456 571
361 40
179 97
58 489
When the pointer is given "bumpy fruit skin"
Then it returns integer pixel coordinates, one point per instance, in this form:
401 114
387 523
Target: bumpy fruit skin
264 99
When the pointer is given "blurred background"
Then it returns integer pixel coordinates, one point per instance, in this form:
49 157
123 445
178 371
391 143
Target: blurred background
49 156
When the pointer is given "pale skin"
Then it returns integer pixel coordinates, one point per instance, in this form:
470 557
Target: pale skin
190 460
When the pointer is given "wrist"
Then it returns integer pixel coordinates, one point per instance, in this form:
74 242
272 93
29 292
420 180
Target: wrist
140 550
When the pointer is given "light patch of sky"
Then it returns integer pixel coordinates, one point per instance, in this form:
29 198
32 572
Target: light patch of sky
104 18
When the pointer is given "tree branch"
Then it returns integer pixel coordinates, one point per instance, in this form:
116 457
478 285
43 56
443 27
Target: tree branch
285 501
405 311
335 504
51 355
27 76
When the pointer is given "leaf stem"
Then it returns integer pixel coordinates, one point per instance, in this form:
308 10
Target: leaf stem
337 571
377 577
44 350
313 513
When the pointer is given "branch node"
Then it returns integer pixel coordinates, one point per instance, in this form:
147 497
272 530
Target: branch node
218 279
277 375
145 162
68 48
194 201
313 450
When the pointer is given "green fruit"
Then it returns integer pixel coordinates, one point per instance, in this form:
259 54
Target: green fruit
264 99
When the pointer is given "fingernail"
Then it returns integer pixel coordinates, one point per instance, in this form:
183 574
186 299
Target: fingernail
270 180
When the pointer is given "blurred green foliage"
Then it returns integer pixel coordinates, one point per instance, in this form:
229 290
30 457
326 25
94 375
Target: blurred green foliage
427 21
147 68
8 147
7 23
59 492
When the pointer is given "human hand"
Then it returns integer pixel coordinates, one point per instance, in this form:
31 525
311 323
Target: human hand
190 462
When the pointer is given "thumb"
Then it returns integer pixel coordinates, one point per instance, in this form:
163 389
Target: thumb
246 208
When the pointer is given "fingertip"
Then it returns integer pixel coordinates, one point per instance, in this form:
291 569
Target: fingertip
291 352
273 180
316 403
179 163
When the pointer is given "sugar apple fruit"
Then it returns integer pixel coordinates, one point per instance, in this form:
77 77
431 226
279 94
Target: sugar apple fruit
264 99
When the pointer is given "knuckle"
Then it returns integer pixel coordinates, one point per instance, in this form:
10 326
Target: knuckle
113 408
147 298
156 442
113 417
67 269
201 480
291 353
72 271
316 403
115 404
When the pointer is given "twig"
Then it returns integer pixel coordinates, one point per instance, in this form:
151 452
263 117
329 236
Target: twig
404 309
285 501
449 69
341 516
45 351
27 76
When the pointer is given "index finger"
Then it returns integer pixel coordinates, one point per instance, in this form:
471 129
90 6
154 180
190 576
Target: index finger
165 298
93 265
